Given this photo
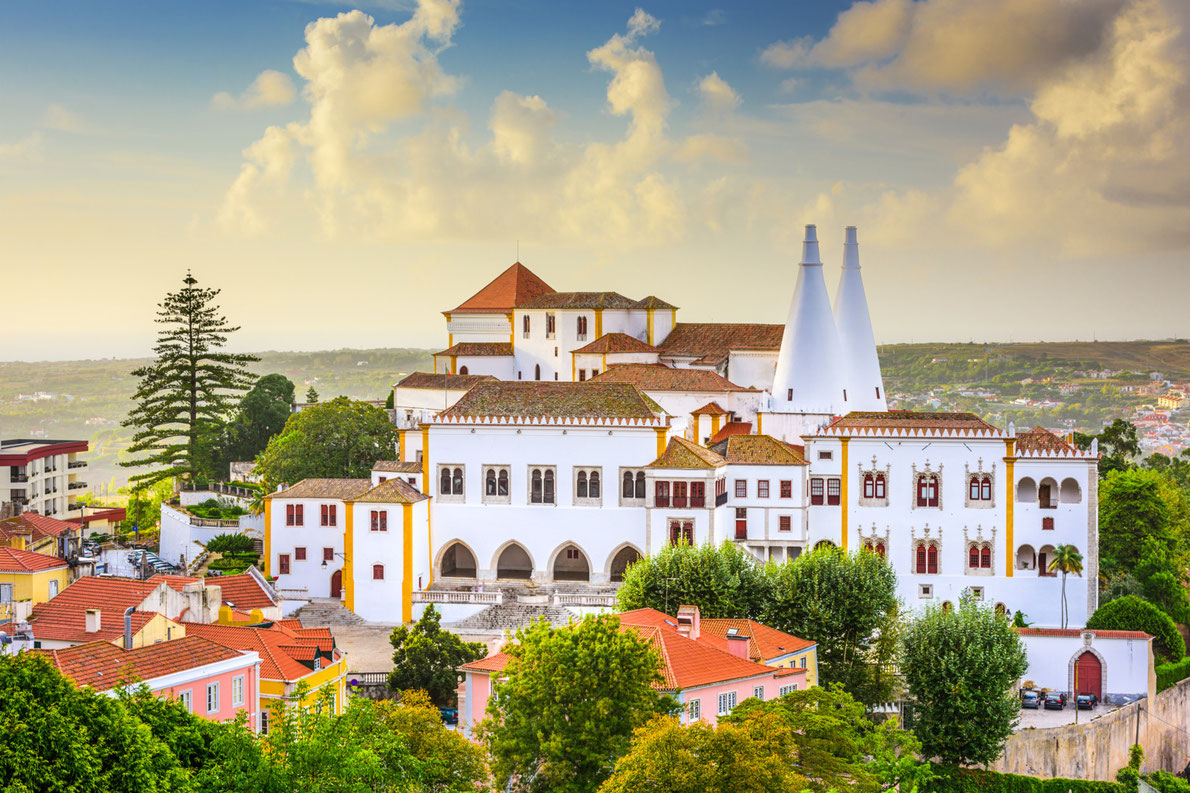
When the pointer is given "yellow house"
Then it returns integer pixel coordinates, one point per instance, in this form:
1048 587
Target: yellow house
28 577
769 646
39 533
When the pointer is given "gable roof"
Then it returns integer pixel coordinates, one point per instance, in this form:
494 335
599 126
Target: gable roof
507 290
1040 439
244 591
275 644
906 422
578 300
613 343
652 301
102 665
392 491
758 450
345 489
104 592
442 382
681 453
397 466
36 524
731 428
68 623
535 399
709 409
764 643
488 348
659 377
710 342
13 560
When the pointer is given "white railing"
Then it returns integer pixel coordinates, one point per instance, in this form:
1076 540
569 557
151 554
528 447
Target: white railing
292 594
599 601
485 598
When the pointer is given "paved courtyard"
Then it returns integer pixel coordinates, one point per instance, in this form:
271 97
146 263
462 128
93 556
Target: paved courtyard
368 648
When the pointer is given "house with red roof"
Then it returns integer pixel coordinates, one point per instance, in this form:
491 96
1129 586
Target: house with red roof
28 579
708 674
1116 666
213 681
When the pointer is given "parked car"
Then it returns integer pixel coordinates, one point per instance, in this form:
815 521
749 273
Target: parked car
449 715
1030 700
1086 701
1055 701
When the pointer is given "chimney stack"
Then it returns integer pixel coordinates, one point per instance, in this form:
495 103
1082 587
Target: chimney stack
128 627
737 643
93 621
688 621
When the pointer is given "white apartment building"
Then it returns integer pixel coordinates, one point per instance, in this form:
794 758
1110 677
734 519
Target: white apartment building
43 476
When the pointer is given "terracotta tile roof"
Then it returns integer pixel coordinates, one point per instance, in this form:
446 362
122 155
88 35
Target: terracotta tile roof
497 348
13 560
613 343
681 453
442 382
174 582
68 623
493 663
658 377
1040 439
243 591
345 489
392 491
102 665
397 467
535 399
910 422
710 342
758 450
731 428
296 624
579 300
709 409
105 592
37 524
1074 633
765 643
274 645
653 301
507 290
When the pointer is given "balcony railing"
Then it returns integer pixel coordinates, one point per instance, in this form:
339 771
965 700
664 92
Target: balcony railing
720 499
76 486
18 477
596 600
661 501
698 501
77 464
680 502
434 596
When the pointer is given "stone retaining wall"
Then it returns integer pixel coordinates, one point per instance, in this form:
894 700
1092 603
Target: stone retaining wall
1099 748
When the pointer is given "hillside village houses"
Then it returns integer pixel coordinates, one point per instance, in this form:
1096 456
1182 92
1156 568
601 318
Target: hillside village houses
565 434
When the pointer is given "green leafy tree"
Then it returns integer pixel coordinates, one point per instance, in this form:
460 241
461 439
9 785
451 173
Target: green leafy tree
335 439
186 393
1135 506
960 667
389 401
845 603
838 748
1119 444
723 581
1066 559
261 414
1162 581
143 505
571 700
449 761
426 658
1130 613
756 755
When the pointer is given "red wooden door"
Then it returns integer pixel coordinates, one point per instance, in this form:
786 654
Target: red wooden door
1089 673
337 584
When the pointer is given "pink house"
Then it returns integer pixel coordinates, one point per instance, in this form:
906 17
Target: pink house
213 681
708 675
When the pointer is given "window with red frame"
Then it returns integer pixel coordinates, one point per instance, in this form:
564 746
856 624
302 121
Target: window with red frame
377 572
869 486
985 488
698 494
283 564
880 549
741 523
786 488
741 488
985 557
290 516
328 554
379 520
679 499
921 558
661 494
681 532
329 518
833 490
299 554
1047 524
784 523
927 491
973 557
881 486
816 492
762 488
932 559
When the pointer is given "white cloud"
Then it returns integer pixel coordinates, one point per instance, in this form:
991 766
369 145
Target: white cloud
59 118
710 147
269 89
717 95
642 23
521 127
27 148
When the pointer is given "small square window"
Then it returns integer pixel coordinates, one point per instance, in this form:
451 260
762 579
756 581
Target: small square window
784 523
328 554
977 592
826 455
299 554
786 488
695 709
925 591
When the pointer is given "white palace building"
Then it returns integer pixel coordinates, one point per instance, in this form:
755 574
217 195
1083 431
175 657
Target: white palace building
563 435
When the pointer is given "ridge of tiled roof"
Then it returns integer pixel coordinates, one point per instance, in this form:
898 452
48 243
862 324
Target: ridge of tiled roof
504 292
758 450
764 642
659 377
731 428
613 343
442 382
578 300
492 663
346 489
709 409
905 422
1039 439
681 453
244 591
39 523
392 491
1071 633
652 301
711 342
553 400
276 662
104 592
489 348
13 560
397 466
68 623
102 666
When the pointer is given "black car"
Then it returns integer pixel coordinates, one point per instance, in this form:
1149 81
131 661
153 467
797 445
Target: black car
1055 701
1086 701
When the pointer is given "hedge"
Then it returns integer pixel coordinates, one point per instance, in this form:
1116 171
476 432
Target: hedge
1172 674
969 780
1130 613
230 543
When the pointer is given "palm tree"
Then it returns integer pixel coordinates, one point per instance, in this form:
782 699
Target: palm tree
1066 559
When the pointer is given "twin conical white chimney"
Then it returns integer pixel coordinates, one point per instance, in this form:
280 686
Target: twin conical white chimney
861 368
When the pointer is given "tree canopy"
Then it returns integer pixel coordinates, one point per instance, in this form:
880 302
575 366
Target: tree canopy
426 658
1130 613
336 439
261 414
1135 506
723 581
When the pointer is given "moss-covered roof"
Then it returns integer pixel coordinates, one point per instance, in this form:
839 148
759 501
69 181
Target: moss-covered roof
681 453
591 400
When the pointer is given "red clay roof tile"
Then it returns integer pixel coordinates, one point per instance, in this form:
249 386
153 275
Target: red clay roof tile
658 377
613 343
102 666
14 560
509 289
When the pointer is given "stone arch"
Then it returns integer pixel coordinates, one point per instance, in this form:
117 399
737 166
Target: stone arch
456 559
563 568
1001 610
1071 493
1087 648
823 544
1026 490
1045 555
1047 492
463 370
619 560
1026 557
512 560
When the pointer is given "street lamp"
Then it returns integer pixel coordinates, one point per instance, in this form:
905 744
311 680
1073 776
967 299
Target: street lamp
341 556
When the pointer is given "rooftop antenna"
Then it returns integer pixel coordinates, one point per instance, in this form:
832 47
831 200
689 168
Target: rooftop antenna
518 250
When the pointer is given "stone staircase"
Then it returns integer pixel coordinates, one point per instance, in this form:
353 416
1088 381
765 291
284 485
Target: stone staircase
326 611
509 616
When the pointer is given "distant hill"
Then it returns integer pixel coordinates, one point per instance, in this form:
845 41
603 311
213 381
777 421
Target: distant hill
1171 358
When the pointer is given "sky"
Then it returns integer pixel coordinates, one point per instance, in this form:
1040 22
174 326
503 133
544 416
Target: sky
1018 169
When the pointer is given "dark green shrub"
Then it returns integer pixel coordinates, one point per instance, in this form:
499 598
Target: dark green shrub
949 779
1130 613
1171 674
230 544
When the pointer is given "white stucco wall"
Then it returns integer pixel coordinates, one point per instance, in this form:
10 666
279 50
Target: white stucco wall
1127 663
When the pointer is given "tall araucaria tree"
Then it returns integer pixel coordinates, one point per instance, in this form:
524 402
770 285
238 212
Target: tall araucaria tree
186 393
